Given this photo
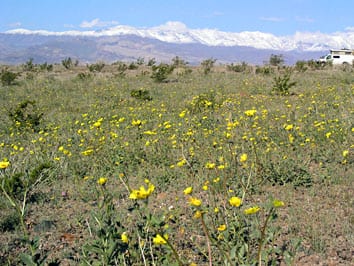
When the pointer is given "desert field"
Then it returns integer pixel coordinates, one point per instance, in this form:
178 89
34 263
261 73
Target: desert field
142 163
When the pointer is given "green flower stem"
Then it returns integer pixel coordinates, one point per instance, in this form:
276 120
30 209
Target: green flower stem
205 229
173 250
260 244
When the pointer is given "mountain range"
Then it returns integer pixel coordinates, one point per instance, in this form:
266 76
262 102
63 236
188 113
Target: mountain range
126 43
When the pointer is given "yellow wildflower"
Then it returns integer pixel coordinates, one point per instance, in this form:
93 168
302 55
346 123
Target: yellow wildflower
136 122
194 201
252 210
159 240
102 180
210 165
222 227
251 112
87 152
289 127
97 124
188 191
345 153
235 201
278 203
197 215
182 162
243 158
4 164
142 192
124 237
150 132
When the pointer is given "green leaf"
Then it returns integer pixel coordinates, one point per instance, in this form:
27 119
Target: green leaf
27 260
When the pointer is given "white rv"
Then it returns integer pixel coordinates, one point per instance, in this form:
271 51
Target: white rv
339 57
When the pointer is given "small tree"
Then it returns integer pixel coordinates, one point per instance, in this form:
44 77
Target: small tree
28 66
97 67
301 66
140 61
67 62
178 62
8 77
282 83
160 72
207 65
151 62
276 60
122 68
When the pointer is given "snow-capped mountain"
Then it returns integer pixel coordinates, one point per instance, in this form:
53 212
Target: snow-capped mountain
165 42
179 33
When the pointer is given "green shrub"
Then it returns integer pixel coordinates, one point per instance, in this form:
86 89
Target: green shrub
276 60
8 77
207 65
300 66
241 68
282 83
160 72
141 94
83 76
265 70
26 116
67 63
29 66
97 67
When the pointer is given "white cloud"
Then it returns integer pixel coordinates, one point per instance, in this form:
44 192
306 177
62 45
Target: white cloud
272 19
172 25
98 23
349 28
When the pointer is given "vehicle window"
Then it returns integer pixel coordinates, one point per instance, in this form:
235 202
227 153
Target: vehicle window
329 57
336 56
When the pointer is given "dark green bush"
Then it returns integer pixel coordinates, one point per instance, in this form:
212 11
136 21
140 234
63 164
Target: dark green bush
141 94
8 77
26 116
160 72
282 83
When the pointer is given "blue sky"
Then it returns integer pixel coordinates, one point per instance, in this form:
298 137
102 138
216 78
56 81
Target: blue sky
279 17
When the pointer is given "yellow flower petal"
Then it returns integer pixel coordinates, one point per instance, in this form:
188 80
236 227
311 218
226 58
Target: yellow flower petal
252 210
235 201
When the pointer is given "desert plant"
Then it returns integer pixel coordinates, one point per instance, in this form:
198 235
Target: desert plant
67 63
29 66
276 60
97 67
207 65
282 83
151 62
133 65
141 94
140 61
84 75
46 66
265 70
26 115
242 67
161 72
178 62
301 66
8 77
122 68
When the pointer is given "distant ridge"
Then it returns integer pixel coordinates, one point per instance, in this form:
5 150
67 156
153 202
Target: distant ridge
163 43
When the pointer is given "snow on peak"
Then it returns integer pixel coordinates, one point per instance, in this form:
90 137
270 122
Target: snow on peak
178 32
